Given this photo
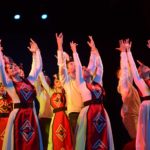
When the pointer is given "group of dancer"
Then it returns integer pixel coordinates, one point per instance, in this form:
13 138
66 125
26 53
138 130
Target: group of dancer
70 115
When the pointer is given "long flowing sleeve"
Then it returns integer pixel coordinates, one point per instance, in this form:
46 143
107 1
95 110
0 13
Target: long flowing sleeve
123 75
36 66
63 74
3 75
38 87
92 62
79 76
138 81
85 93
99 70
45 84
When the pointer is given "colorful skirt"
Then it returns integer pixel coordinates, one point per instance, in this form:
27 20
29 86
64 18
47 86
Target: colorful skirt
60 137
94 129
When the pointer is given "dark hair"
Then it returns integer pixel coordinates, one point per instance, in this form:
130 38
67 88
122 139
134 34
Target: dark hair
70 60
143 74
21 66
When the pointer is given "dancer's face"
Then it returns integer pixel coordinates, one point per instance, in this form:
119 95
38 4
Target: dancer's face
21 73
12 69
71 67
57 83
86 72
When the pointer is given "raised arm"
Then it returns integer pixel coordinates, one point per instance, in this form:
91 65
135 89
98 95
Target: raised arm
7 82
138 81
92 60
78 66
44 83
95 64
61 57
99 70
38 88
124 70
36 62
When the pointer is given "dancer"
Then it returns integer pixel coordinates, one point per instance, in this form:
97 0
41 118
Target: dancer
130 96
45 111
22 131
60 130
68 80
94 129
5 109
141 80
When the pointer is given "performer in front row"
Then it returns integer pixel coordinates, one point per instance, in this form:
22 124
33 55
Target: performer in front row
22 131
93 128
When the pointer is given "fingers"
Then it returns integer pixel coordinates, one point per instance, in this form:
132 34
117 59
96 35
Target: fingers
90 37
139 62
56 56
59 35
130 43
28 48
120 42
73 46
119 49
56 35
73 43
88 43
31 40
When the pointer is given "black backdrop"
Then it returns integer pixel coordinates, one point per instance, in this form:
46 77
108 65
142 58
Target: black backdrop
107 21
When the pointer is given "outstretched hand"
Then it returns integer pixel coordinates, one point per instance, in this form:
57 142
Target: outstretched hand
91 43
59 39
140 63
124 45
128 44
121 46
33 46
73 46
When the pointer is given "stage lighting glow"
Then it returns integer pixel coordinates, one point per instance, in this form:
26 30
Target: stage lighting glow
44 16
17 16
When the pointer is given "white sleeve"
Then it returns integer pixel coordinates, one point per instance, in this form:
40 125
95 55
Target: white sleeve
92 63
123 76
63 73
138 81
3 75
78 67
45 84
99 70
36 67
38 88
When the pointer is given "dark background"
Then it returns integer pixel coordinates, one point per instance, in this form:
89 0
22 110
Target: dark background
106 20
